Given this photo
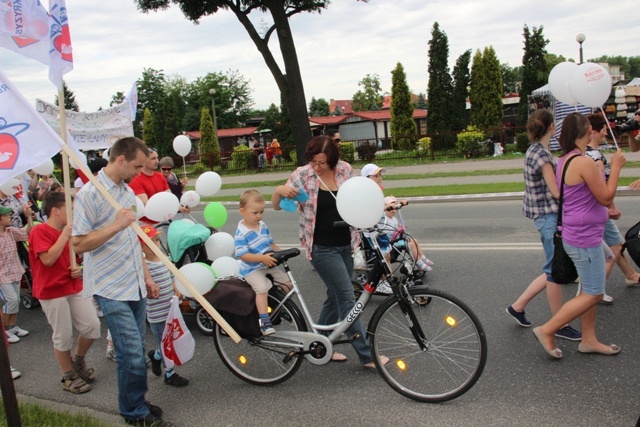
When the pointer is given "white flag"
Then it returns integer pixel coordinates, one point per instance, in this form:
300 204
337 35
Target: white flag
178 344
24 29
132 99
26 140
60 52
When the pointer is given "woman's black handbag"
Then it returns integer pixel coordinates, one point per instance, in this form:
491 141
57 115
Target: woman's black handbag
563 270
632 243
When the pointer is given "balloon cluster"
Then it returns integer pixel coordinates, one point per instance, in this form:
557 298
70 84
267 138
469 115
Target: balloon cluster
587 84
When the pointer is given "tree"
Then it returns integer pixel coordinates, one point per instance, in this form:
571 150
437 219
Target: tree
534 70
439 86
148 129
209 146
511 78
486 90
289 80
403 127
319 108
552 60
629 65
369 98
460 92
70 103
421 102
117 99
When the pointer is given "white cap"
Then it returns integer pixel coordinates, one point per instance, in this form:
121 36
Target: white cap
371 169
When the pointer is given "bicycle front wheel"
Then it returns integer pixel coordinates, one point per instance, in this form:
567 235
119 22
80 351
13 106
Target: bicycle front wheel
456 346
261 360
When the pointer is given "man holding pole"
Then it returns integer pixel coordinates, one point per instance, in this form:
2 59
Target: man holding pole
115 272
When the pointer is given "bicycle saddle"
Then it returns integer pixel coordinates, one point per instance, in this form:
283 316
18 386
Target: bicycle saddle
284 255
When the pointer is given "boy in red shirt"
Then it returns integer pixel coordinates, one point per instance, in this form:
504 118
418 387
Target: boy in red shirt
58 286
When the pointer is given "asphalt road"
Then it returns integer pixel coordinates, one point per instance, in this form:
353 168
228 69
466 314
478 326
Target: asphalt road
486 254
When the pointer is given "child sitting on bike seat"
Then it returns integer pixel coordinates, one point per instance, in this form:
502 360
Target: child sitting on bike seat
253 243
394 231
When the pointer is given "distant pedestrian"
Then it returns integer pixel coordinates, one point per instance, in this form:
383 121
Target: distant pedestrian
175 185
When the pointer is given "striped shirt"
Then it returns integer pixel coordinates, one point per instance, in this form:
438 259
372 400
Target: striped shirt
249 241
305 178
158 308
114 270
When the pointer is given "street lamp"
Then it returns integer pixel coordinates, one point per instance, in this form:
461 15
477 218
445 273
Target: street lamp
580 38
212 92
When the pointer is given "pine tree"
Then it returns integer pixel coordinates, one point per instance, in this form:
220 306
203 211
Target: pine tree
534 70
486 90
439 87
461 80
148 129
403 127
209 147
70 103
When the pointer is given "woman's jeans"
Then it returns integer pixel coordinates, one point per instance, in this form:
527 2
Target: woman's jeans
334 264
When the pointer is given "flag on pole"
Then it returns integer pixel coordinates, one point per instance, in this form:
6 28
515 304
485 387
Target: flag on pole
178 344
60 52
132 99
24 29
26 140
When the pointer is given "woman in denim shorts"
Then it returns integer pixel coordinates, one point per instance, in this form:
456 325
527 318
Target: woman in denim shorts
584 214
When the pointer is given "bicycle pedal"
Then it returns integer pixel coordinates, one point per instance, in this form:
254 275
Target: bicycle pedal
288 357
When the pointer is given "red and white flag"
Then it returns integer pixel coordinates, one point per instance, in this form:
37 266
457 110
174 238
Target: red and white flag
60 52
26 28
26 140
178 344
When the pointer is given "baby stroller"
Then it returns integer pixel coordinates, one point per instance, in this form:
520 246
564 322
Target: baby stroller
26 283
184 244
402 261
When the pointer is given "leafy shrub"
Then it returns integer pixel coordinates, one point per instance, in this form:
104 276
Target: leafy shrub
424 143
367 152
347 151
522 142
443 141
199 168
241 157
468 142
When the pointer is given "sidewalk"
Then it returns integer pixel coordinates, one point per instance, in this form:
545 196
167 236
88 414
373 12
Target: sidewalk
460 166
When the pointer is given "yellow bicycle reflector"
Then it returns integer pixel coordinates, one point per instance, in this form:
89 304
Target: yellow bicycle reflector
450 321
269 310
242 359
401 365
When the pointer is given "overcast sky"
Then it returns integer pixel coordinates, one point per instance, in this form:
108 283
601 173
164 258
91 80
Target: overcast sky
113 42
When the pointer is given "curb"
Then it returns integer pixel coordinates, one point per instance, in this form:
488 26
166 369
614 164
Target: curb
105 417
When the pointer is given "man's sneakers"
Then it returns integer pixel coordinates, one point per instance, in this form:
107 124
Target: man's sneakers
569 333
519 317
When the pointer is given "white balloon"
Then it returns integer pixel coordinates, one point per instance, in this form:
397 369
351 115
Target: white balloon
182 145
226 266
45 168
219 245
10 187
190 198
139 208
360 202
162 206
105 154
559 80
590 84
82 157
199 275
208 184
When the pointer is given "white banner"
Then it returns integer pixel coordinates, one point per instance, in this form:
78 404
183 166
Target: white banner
90 131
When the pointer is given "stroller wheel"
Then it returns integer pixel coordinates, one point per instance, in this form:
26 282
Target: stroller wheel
30 302
204 321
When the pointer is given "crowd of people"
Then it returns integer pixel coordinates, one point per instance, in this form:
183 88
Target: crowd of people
129 284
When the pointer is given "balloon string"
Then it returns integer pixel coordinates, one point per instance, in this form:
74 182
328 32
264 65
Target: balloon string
184 166
610 130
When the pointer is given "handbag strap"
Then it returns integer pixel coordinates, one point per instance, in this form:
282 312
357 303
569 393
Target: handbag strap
565 166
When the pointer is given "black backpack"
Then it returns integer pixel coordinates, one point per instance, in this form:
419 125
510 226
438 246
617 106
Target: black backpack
632 243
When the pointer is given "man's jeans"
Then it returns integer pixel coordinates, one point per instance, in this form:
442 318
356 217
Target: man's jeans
126 322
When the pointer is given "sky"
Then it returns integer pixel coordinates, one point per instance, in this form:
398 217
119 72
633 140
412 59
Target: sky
113 43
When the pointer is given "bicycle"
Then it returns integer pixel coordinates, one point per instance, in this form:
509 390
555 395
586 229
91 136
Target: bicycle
437 348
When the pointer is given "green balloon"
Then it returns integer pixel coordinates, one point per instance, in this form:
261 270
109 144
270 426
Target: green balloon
215 214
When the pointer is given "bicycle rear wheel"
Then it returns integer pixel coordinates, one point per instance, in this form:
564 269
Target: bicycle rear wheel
261 360
456 347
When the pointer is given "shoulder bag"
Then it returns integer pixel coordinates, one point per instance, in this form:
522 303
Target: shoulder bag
563 270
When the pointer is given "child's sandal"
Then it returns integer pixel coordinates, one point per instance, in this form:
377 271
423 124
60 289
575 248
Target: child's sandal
87 374
75 385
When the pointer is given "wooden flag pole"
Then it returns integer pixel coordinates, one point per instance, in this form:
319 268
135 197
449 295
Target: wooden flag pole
156 250
65 169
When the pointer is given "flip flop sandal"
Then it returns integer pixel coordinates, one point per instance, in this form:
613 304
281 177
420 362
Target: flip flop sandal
75 385
87 374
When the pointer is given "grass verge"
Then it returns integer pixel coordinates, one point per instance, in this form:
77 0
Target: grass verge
32 415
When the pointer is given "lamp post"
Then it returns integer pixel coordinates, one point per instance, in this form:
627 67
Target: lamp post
212 92
580 38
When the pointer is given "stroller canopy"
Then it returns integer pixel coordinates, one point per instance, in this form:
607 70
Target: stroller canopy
182 235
